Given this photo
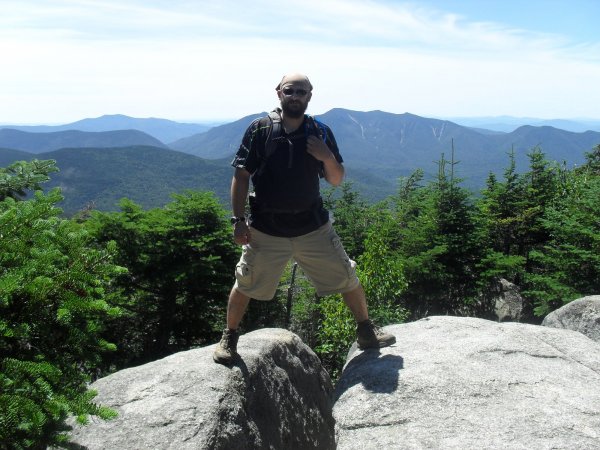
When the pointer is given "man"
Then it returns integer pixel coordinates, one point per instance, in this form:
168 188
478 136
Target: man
284 156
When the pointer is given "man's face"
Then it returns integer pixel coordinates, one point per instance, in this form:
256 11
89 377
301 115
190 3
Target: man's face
294 98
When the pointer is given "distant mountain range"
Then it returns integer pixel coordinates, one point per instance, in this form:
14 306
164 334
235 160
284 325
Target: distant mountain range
392 145
44 142
377 148
218 142
161 129
507 124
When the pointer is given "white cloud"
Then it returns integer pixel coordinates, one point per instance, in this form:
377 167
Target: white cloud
72 59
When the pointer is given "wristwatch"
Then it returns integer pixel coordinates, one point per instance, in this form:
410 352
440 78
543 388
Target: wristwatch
236 219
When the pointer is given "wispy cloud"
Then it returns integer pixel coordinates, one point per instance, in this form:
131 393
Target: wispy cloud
186 59
340 22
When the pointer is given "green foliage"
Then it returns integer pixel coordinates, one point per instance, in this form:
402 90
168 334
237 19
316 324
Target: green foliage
368 233
495 265
305 317
436 239
381 272
457 234
592 163
352 217
180 261
409 234
21 176
500 226
337 331
54 299
541 230
567 266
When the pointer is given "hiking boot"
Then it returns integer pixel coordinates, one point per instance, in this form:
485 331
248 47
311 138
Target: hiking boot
226 349
371 336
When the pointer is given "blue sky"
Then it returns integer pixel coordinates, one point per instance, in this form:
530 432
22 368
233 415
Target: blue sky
215 60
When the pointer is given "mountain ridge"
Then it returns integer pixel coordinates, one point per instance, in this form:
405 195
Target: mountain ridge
44 142
378 148
162 129
506 124
227 136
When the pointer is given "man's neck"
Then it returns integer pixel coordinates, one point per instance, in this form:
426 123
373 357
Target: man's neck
291 124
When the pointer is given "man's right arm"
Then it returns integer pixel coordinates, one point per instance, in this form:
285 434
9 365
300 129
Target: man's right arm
240 184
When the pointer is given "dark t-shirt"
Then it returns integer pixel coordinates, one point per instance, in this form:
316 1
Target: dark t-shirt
286 200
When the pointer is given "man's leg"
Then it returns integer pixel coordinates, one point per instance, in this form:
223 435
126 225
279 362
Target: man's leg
357 302
236 308
258 272
368 334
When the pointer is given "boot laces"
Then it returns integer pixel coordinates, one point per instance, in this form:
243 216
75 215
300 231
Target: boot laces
376 330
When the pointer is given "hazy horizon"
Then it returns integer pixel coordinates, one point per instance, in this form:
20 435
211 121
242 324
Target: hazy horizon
507 119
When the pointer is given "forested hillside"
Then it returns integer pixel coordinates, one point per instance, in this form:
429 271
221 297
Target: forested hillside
146 175
378 149
98 178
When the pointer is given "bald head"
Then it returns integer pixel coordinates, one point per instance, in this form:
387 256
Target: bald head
296 79
294 92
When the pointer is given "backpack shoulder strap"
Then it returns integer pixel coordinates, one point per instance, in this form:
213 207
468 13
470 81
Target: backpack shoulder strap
274 132
317 128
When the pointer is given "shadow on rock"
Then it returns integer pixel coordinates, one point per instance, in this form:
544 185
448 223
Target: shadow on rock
377 373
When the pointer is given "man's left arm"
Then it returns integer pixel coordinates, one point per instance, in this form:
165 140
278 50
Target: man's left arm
334 171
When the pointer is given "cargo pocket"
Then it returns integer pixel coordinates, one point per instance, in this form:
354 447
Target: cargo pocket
243 269
338 248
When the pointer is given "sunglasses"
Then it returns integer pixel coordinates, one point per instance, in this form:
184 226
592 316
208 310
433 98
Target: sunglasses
288 92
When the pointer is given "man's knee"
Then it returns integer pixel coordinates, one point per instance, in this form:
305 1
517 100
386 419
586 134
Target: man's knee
236 296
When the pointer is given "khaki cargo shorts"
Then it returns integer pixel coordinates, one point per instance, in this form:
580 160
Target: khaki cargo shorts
320 254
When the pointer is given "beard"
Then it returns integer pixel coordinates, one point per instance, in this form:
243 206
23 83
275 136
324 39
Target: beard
293 108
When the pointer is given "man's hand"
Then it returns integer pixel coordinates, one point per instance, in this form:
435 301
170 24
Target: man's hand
318 149
334 171
241 233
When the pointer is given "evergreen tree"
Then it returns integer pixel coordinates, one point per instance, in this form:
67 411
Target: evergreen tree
592 164
180 262
437 239
412 238
352 216
519 218
54 299
502 205
567 266
500 224
542 185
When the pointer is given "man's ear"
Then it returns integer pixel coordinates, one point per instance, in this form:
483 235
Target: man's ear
308 97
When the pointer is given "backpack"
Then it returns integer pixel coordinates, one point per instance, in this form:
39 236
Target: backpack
275 135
